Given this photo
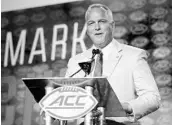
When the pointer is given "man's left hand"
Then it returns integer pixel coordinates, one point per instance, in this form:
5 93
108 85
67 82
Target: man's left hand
126 120
127 108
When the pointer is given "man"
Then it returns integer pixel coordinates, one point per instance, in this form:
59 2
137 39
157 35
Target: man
124 66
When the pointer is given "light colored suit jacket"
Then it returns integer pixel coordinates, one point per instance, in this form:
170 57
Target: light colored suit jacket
129 75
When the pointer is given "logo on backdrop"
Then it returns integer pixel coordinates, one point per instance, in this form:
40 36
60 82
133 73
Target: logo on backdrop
68 102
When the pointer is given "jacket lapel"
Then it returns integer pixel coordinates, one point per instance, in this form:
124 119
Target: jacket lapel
114 59
112 62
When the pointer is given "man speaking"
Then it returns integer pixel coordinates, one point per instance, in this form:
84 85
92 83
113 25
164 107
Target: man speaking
124 66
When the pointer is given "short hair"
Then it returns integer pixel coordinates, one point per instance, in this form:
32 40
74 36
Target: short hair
104 7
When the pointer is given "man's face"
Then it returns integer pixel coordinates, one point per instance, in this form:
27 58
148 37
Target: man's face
99 27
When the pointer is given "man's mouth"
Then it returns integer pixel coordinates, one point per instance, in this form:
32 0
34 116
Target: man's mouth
98 34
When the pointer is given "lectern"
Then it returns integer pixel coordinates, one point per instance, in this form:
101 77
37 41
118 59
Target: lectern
72 98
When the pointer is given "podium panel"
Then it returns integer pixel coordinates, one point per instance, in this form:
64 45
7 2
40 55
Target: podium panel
68 95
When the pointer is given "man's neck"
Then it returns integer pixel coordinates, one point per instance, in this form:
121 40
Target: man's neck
106 50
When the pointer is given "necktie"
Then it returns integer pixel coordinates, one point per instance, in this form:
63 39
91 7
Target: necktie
98 63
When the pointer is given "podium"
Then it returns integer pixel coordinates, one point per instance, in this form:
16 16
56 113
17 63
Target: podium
74 98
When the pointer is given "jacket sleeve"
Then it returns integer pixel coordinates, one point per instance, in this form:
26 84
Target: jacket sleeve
148 97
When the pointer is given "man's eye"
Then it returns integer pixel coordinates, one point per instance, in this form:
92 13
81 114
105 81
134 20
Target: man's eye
90 23
102 21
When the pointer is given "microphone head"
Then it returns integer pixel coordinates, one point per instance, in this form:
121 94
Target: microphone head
95 51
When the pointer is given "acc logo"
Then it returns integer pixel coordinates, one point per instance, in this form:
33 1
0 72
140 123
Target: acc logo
68 102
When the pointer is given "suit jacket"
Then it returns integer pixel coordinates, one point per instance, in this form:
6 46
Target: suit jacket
129 75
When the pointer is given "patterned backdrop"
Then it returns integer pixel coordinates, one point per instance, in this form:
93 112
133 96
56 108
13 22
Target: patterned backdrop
38 42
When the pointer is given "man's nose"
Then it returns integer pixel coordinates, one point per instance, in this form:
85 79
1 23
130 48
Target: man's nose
97 26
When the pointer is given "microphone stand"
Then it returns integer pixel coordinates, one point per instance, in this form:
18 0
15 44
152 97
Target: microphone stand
75 72
86 66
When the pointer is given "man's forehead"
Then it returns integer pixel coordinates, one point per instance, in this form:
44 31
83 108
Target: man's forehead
97 12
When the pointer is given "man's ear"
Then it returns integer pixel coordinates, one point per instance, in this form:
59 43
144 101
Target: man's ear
86 34
113 24
113 27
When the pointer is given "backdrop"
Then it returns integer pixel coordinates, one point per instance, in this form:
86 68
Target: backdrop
38 42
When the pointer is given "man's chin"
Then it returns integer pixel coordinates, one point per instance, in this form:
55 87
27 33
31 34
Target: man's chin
99 45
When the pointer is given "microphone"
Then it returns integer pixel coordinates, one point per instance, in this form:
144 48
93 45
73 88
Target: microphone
86 66
94 52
